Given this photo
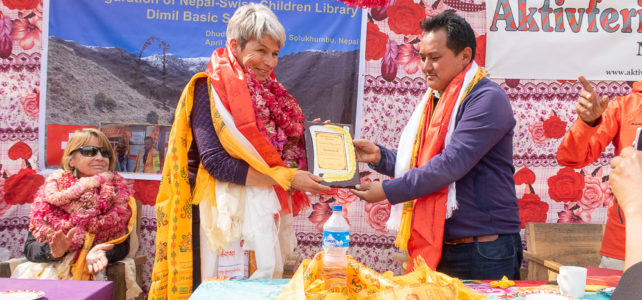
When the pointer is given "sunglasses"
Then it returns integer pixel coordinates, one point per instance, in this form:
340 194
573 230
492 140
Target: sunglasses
91 151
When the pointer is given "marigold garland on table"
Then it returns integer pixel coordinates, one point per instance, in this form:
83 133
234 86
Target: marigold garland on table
502 284
279 119
96 204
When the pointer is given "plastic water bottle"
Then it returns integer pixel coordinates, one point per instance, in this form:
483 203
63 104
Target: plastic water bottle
336 239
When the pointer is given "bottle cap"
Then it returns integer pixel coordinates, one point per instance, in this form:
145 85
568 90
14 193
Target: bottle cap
337 208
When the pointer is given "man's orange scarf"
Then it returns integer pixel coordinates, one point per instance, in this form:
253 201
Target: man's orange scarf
429 212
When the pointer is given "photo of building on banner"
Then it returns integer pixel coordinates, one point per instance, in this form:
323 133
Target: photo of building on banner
561 39
127 62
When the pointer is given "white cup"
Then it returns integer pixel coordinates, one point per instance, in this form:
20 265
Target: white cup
572 281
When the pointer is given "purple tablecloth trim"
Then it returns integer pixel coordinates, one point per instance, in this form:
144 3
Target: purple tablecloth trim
62 289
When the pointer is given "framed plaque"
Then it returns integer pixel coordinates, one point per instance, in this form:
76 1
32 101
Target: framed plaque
330 154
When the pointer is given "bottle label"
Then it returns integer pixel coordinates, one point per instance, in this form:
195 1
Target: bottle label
336 239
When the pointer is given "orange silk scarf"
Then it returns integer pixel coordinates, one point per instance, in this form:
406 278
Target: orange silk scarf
429 212
228 79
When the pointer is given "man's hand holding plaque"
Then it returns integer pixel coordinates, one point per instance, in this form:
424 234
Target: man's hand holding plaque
331 154
368 152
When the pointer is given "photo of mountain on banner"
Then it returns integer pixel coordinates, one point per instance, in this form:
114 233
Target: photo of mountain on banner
117 74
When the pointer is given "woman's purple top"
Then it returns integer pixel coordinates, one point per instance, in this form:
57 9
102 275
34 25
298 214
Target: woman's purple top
206 147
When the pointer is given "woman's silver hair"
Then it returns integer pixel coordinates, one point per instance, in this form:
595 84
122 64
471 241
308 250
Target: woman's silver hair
251 22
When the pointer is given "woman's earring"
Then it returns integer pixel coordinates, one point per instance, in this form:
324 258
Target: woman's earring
75 172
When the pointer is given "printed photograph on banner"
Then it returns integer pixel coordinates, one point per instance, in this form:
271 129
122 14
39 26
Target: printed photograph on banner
57 137
128 61
138 148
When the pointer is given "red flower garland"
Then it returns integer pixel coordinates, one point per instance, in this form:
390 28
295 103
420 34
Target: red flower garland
97 204
279 119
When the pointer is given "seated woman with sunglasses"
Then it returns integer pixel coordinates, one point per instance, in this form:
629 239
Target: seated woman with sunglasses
83 206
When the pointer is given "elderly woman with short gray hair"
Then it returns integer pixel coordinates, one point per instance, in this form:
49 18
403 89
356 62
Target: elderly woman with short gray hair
234 174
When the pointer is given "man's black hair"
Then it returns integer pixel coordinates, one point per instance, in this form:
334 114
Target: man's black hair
459 34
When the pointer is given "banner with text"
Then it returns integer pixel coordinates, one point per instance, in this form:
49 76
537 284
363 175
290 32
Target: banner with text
127 61
561 39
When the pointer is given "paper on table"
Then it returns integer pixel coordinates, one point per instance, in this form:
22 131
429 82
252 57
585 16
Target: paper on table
22 294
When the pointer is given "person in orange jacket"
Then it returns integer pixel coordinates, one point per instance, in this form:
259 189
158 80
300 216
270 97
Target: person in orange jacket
599 123
625 178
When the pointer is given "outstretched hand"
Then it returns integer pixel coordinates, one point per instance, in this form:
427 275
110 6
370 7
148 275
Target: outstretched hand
366 151
371 192
589 105
625 178
60 243
97 259
308 182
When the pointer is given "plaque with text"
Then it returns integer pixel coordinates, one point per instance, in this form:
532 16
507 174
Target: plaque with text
331 154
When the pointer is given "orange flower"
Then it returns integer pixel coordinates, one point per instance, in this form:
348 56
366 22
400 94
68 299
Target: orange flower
566 186
480 50
532 209
21 4
21 188
404 17
554 127
375 42
524 176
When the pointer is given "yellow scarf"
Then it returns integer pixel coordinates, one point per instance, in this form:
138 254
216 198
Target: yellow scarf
79 268
172 273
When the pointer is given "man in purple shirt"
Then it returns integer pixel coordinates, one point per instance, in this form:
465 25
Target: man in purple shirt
474 166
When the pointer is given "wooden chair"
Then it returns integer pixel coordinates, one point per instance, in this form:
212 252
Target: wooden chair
115 271
551 245
5 266
5 270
